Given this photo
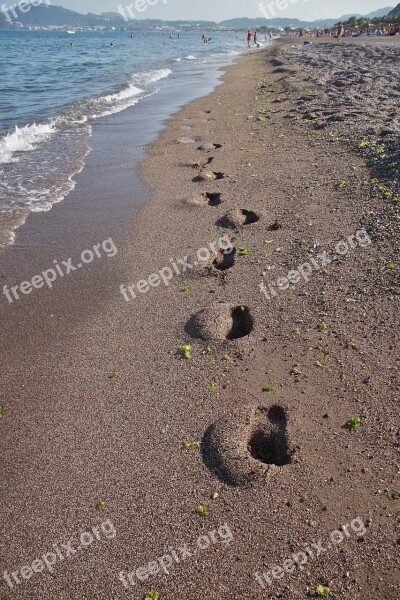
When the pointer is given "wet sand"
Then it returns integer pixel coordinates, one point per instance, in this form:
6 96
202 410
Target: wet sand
303 363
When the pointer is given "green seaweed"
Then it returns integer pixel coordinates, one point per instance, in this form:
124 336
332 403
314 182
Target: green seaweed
202 511
354 423
185 351
270 388
152 595
190 445
341 185
322 590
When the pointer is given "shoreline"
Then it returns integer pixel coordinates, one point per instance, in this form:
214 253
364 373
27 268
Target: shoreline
77 223
85 438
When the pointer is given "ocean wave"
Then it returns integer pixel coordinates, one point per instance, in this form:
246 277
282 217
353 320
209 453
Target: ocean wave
129 92
129 96
55 152
24 139
154 76
190 57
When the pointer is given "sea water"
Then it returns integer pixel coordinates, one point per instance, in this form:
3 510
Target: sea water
54 86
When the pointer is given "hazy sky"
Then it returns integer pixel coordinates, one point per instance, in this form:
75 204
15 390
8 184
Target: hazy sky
219 10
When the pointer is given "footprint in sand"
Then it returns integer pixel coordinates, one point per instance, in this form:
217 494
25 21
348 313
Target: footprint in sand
238 217
208 176
185 140
243 446
205 199
203 163
221 322
209 147
223 262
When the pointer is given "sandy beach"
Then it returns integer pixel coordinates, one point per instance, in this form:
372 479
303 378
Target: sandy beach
216 405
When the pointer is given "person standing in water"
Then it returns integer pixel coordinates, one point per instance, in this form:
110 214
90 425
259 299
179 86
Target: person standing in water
255 38
249 36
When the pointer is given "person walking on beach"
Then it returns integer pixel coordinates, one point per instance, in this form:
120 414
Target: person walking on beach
255 38
249 36
340 31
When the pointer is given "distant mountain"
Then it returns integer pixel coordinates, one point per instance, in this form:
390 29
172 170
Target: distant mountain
284 22
372 15
247 23
46 15
379 13
395 12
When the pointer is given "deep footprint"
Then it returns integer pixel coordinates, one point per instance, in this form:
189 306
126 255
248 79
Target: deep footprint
242 323
205 199
221 322
224 262
214 198
204 163
238 217
270 446
237 448
207 147
208 176
250 217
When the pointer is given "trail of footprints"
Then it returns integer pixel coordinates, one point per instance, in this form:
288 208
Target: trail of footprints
241 447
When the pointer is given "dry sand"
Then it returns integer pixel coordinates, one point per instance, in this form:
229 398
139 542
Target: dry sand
287 184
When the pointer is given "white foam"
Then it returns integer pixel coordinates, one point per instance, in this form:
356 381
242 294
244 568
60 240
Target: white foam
115 103
153 76
130 92
24 139
190 57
